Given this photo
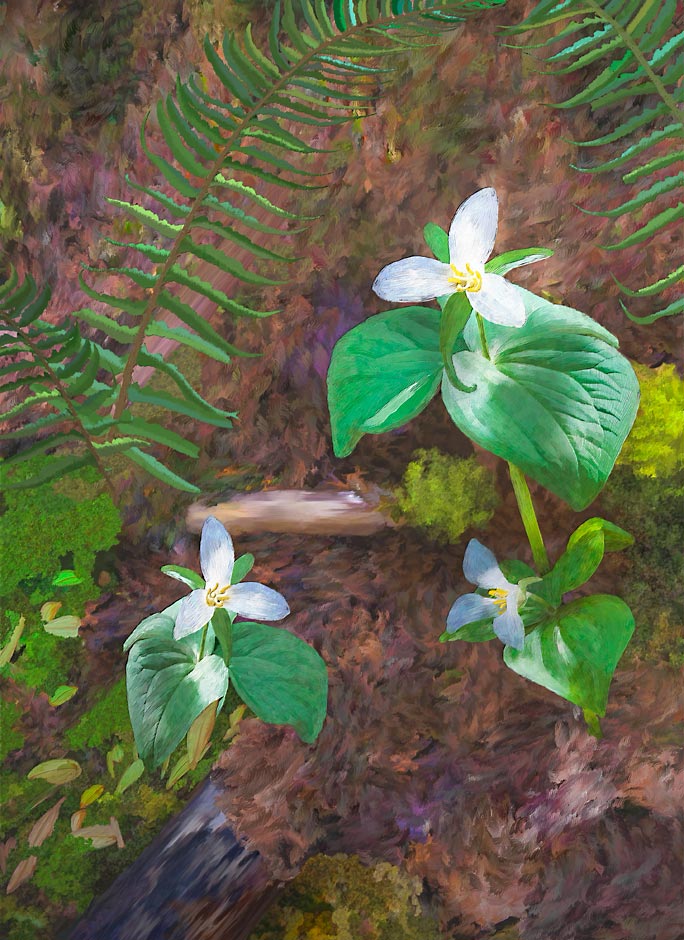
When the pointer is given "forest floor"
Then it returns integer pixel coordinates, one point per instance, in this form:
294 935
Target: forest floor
486 790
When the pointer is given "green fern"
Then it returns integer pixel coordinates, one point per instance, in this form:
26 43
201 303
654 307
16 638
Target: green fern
307 74
70 377
634 53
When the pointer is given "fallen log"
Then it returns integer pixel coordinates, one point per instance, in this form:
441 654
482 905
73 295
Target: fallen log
195 880
336 512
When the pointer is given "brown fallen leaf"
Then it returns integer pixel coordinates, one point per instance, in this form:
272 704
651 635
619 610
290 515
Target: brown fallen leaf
45 826
199 734
5 849
102 836
77 819
22 873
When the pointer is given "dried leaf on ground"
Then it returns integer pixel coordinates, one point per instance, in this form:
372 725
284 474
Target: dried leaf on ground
45 826
22 873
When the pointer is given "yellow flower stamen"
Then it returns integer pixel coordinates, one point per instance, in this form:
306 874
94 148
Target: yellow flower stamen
499 595
466 280
216 597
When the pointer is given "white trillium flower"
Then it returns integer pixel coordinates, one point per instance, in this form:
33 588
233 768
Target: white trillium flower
471 240
502 602
248 599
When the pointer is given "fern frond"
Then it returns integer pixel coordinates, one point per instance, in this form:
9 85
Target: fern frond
632 50
201 230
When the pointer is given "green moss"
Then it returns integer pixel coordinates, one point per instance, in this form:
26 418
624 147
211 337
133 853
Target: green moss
106 719
47 661
20 922
647 508
10 739
338 898
65 869
41 527
655 447
447 495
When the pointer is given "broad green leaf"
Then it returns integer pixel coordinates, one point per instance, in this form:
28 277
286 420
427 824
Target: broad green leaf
280 677
585 550
437 241
61 770
167 690
62 694
576 652
161 625
556 398
383 373
186 575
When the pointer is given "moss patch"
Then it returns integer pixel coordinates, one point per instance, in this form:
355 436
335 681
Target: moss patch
447 495
651 510
655 446
339 898
106 719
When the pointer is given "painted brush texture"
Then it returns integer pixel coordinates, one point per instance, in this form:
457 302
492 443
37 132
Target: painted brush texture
434 757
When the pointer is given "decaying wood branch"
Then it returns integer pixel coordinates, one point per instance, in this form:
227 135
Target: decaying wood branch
337 512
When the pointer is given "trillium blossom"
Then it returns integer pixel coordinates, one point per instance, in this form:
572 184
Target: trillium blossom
502 602
248 599
471 240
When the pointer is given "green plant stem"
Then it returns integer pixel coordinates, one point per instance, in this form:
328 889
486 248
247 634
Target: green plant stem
529 518
203 641
483 336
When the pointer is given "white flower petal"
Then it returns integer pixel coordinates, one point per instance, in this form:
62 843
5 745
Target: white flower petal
480 567
256 601
498 301
473 230
413 279
509 626
193 613
217 555
468 609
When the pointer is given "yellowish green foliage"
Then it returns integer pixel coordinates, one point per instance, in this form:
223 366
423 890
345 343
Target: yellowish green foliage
40 527
655 447
651 510
10 739
447 495
106 719
339 898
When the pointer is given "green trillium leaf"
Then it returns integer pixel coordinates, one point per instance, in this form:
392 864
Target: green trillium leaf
479 631
556 398
280 677
167 689
437 241
382 373
509 260
455 314
585 550
575 652
186 575
243 566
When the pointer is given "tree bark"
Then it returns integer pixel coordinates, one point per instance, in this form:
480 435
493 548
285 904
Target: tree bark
195 880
